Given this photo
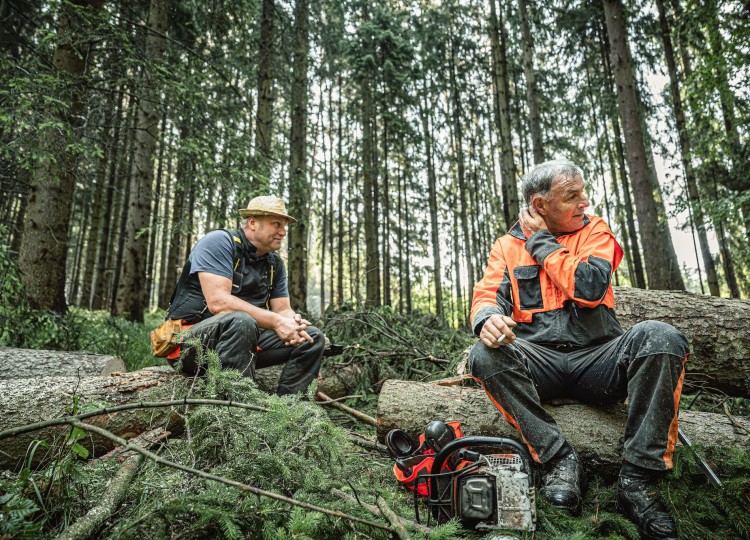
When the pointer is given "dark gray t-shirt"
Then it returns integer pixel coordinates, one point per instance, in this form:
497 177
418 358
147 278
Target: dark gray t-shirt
214 254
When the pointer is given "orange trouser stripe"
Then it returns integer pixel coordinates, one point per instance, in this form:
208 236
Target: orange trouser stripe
511 421
672 439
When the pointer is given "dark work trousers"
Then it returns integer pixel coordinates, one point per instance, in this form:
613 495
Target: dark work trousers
646 365
244 346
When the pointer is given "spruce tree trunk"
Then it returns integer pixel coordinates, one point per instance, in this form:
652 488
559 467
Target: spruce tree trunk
531 90
595 432
686 153
264 111
432 201
654 235
502 115
458 146
369 199
44 398
299 186
131 295
44 243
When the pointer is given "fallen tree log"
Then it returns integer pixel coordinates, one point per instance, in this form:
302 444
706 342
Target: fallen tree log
718 330
42 398
27 363
33 400
594 432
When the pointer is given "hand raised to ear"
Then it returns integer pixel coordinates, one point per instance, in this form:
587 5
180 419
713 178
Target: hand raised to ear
531 221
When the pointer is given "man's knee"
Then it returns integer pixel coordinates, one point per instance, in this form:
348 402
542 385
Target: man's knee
483 362
657 337
242 322
319 339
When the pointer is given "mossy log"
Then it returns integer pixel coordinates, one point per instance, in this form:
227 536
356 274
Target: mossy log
595 432
27 363
718 330
36 399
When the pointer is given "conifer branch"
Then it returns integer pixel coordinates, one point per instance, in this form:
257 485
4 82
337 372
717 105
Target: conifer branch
340 406
208 476
20 430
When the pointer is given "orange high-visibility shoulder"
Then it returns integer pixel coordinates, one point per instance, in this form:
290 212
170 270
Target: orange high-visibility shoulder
553 280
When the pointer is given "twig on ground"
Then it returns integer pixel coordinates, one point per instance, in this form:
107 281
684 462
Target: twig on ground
392 518
732 419
370 445
208 476
432 360
127 407
324 399
87 525
377 512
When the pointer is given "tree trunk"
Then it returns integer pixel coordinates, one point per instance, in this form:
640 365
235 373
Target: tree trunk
458 146
502 115
372 251
44 241
596 432
264 114
655 235
686 153
531 91
299 186
31 363
432 201
44 398
131 295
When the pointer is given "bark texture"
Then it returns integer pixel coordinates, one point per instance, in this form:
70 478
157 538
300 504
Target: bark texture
45 398
51 397
661 263
27 363
595 432
718 330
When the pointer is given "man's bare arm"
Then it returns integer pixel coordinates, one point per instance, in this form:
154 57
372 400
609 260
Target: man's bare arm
218 293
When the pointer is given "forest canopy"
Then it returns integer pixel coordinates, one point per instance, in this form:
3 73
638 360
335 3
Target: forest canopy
396 132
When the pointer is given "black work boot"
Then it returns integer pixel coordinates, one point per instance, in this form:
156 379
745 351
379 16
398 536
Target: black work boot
563 483
637 498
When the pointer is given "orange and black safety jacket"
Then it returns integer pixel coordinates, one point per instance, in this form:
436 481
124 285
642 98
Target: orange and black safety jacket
558 288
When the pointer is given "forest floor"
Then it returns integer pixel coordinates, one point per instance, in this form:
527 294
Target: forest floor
302 450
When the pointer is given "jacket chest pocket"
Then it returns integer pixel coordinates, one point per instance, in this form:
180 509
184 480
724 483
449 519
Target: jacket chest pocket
529 287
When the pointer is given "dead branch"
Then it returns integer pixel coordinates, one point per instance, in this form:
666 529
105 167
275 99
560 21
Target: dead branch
392 518
86 526
208 476
325 400
127 407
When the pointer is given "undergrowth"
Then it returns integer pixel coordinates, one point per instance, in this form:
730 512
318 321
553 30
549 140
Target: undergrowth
300 450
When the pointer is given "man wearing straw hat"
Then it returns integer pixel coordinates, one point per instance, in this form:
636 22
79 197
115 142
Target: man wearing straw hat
233 296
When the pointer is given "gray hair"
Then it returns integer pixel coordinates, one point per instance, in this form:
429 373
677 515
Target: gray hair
538 181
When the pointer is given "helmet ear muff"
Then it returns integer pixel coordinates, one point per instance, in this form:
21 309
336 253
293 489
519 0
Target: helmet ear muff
399 443
437 434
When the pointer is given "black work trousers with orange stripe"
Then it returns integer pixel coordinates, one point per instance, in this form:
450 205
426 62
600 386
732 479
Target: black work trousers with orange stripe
646 364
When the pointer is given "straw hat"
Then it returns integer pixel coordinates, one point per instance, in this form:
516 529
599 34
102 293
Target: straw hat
266 206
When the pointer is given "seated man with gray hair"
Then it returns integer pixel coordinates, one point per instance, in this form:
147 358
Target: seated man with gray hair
233 295
544 313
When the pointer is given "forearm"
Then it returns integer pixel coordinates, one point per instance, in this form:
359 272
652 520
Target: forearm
583 276
265 318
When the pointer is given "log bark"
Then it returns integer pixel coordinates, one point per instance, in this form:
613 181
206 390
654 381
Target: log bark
595 432
28 363
718 330
43 398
